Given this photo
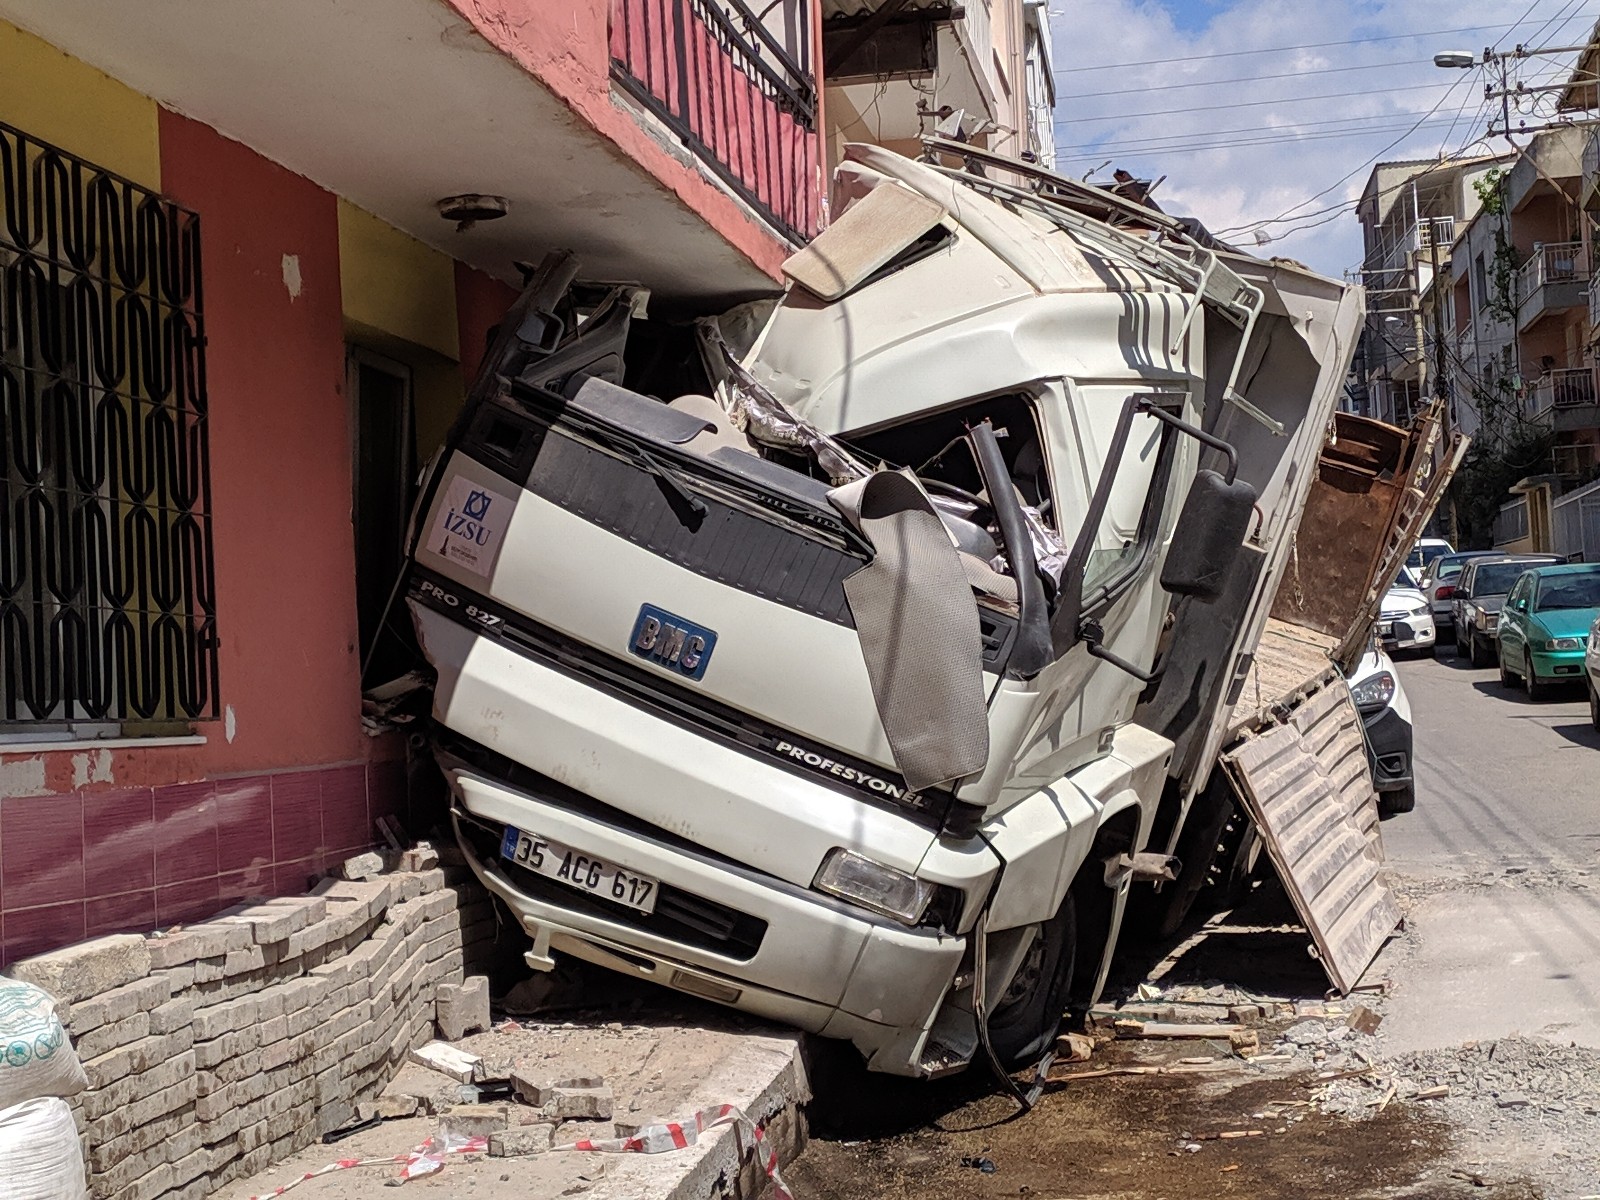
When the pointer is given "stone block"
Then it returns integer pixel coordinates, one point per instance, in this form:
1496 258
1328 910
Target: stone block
387 1108
308 910
462 1008
267 922
579 1104
108 1037
135 1057
116 1005
432 880
134 1087
274 1030
475 1120
87 969
362 866
524 1139
172 1016
120 1119
214 1020
208 940
243 962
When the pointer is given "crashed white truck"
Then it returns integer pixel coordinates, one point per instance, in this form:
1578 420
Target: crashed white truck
859 691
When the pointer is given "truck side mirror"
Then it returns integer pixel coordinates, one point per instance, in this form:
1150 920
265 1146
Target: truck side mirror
1209 535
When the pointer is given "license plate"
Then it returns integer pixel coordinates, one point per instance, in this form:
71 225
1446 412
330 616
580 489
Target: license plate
582 871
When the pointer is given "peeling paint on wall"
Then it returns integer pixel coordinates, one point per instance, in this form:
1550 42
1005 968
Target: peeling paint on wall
291 275
91 767
25 778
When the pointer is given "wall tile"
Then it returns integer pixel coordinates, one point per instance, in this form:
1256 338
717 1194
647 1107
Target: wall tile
186 832
346 827
296 816
244 823
296 878
41 850
187 902
119 842
255 883
35 930
129 912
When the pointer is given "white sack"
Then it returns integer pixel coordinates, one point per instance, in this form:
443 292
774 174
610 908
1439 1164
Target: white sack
40 1152
36 1058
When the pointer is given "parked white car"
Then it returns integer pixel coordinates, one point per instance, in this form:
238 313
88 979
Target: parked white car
1386 720
1591 672
1406 620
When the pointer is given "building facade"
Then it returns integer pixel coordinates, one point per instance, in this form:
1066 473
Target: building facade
235 318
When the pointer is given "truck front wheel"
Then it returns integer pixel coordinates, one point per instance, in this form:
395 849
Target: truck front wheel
1027 1016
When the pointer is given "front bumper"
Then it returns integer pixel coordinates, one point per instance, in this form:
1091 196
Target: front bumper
1389 749
1559 666
817 964
1408 633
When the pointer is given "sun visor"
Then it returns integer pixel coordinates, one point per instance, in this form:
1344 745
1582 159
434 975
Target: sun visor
866 236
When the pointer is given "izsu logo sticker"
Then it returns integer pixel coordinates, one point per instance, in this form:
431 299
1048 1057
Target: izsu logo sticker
671 642
471 522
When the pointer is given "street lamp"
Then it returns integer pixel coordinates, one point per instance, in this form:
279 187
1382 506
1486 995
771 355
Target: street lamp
1455 59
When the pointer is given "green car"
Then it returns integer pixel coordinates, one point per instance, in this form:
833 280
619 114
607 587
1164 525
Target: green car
1544 626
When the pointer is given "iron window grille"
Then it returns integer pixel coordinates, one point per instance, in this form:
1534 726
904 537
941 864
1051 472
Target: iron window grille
107 604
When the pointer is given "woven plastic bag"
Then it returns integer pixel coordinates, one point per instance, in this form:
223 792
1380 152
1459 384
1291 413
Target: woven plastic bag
40 1152
36 1057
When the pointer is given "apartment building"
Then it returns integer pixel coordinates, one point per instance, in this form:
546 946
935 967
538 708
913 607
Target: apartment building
896 70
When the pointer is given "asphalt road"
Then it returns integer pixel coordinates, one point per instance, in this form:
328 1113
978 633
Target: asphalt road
1499 863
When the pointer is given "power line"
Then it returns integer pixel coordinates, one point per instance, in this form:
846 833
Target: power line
1173 87
1167 112
1241 144
1388 37
1211 133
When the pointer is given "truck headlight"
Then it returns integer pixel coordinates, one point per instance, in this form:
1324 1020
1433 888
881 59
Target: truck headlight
884 890
1375 693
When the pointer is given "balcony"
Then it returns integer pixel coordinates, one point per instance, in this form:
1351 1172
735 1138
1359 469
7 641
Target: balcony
742 102
1552 281
1564 400
1575 460
1430 231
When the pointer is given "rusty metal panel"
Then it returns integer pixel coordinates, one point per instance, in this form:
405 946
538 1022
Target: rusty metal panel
1307 787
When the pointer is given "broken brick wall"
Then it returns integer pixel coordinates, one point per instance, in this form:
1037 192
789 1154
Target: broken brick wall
220 1048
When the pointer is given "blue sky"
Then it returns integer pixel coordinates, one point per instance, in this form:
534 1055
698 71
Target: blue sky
1267 114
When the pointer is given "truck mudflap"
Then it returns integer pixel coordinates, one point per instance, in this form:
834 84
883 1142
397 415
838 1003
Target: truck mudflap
1308 790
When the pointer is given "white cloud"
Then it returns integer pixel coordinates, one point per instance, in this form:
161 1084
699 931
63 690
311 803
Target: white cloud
1296 152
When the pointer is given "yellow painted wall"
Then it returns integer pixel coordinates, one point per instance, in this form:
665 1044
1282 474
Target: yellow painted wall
58 99
395 285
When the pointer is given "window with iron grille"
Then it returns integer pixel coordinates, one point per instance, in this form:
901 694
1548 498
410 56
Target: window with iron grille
107 614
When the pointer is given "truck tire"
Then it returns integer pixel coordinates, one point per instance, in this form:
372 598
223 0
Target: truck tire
1027 1016
1401 801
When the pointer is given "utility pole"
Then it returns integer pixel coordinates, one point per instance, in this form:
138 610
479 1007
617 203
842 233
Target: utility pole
1505 93
1441 388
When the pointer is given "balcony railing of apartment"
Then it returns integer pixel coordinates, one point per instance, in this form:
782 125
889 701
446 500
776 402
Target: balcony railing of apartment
1594 312
1430 230
1564 387
1591 155
1554 262
741 101
1574 460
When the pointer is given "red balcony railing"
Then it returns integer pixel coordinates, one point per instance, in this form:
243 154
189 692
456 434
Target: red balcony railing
739 99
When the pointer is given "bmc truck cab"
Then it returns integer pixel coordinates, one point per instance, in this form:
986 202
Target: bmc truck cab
849 691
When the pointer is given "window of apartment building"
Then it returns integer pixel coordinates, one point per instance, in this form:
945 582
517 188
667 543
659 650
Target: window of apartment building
1480 282
107 617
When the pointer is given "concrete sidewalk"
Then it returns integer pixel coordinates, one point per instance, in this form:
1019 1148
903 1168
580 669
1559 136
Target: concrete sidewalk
657 1071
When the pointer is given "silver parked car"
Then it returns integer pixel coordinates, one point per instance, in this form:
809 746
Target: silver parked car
1480 592
1438 584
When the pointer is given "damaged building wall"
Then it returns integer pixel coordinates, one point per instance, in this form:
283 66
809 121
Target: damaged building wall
221 1048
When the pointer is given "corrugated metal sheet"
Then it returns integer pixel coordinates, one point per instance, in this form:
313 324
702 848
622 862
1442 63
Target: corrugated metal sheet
1309 791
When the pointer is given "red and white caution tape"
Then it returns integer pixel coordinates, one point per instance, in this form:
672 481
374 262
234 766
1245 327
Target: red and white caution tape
424 1160
675 1135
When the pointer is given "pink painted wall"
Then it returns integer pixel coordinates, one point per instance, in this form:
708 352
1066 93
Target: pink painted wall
481 300
567 47
280 453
